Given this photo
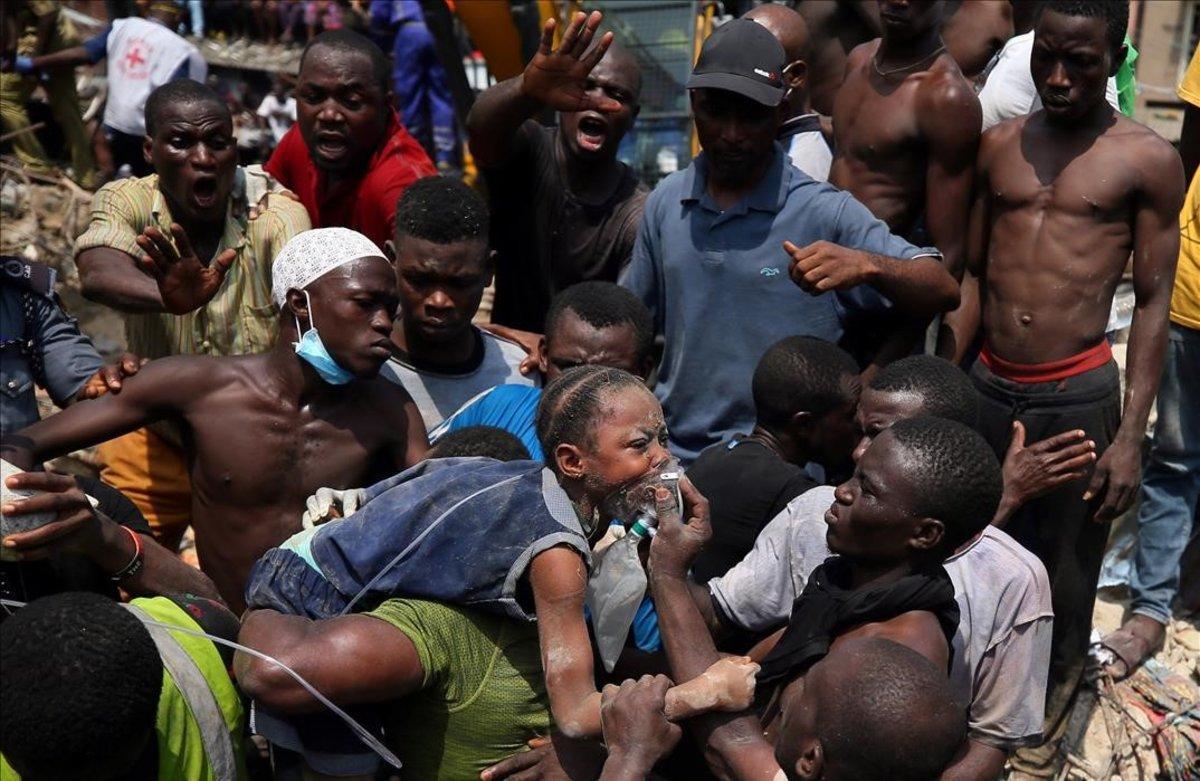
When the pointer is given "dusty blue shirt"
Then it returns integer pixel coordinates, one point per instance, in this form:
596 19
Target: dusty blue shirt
717 284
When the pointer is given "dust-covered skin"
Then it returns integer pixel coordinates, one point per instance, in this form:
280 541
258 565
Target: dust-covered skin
728 685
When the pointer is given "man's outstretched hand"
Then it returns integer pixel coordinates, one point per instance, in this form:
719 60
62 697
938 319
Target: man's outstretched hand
823 266
184 282
558 78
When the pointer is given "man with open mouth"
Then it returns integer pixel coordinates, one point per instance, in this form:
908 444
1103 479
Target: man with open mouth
192 217
348 157
564 208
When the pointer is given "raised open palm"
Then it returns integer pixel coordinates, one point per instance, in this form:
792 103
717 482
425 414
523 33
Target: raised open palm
559 78
184 282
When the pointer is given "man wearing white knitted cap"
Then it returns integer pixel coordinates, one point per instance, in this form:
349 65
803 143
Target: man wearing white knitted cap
263 432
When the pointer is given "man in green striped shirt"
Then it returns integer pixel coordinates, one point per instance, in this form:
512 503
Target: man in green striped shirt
192 216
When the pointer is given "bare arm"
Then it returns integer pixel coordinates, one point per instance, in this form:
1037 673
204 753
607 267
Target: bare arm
111 277
921 287
976 760
960 326
401 414
733 743
951 119
64 58
81 529
160 389
553 78
350 659
559 581
1155 253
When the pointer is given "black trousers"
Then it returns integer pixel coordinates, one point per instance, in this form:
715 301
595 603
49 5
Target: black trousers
1058 527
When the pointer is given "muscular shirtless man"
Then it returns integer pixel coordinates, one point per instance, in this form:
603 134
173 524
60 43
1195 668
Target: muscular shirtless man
263 432
906 125
974 31
1064 196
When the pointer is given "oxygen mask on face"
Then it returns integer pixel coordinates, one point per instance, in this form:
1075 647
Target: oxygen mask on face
635 501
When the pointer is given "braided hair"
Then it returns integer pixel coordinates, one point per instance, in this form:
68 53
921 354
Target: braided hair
571 402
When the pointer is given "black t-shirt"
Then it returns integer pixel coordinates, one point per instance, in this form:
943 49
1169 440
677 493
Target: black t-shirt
545 238
25 581
746 484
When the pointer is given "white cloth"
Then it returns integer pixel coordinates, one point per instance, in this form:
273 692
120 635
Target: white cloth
1001 648
1009 90
439 395
810 152
142 56
313 254
279 115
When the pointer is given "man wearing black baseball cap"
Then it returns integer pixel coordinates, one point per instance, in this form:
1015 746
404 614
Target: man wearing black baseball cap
719 240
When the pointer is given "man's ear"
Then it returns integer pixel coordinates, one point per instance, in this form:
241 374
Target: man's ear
147 149
795 75
543 360
928 534
1118 60
802 425
298 303
569 461
810 765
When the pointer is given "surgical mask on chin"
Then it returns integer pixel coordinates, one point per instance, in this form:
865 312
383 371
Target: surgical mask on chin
312 349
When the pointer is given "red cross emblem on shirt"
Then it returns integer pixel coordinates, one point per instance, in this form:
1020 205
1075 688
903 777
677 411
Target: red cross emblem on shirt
134 58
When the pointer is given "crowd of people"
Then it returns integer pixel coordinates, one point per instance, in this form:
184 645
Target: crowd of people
150 42
826 429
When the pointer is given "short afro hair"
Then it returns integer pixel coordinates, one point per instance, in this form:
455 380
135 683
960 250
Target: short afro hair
893 719
349 42
480 441
957 474
82 679
945 389
801 374
178 93
1115 14
443 210
603 305
571 402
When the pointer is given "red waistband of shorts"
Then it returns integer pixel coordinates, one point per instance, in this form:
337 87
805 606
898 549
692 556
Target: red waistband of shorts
1091 358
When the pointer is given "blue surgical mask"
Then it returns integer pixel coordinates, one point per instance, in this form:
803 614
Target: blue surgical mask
312 349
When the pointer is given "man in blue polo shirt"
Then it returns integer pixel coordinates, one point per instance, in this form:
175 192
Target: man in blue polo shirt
723 241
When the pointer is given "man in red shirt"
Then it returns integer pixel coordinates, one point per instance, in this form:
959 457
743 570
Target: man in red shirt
348 157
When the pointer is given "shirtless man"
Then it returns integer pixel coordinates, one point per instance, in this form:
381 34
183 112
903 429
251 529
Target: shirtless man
264 431
1065 195
974 31
906 125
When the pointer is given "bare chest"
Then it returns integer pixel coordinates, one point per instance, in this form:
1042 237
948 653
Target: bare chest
1092 186
276 455
875 128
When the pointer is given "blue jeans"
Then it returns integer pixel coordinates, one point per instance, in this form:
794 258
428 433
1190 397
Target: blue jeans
1170 479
